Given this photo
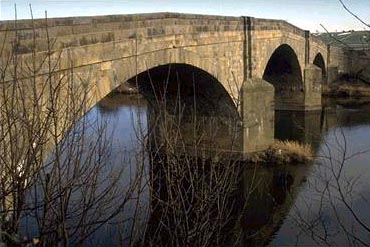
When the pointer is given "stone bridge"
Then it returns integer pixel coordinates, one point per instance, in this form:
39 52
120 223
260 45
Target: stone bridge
257 64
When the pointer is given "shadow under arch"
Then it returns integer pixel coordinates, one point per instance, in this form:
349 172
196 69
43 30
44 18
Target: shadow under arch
192 86
188 98
186 107
284 72
320 62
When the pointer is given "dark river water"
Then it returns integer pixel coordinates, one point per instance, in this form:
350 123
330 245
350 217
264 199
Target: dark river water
330 206
326 202
323 203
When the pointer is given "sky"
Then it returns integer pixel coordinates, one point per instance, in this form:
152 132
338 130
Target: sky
306 14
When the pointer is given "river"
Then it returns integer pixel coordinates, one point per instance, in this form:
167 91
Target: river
325 202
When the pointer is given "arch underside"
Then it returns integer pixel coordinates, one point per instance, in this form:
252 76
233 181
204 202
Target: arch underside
193 88
284 72
186 100
319 62
210 58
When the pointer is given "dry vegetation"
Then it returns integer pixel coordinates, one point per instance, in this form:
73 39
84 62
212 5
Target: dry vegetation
284 152
347 88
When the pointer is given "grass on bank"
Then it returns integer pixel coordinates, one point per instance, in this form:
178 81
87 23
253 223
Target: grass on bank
284 152
347 88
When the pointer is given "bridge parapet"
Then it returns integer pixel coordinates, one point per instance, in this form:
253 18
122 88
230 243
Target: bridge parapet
95 20
80 31
268 24
317 40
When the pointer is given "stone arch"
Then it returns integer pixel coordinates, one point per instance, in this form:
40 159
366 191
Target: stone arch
320 62
186 83
112 74
284 72
189 101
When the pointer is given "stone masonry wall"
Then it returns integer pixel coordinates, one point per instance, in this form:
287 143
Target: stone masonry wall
318 46
267 36
108 50
340 57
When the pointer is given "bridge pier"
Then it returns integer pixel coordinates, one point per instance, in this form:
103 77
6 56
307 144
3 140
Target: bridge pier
312 87
332 74
258 115
258 107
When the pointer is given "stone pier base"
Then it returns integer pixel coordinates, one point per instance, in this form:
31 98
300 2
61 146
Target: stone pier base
332 73
312 88
258 115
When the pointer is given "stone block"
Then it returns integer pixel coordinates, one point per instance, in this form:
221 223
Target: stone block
312 87
258 115
332 73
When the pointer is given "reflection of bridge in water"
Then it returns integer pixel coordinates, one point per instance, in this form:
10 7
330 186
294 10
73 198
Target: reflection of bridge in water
266 195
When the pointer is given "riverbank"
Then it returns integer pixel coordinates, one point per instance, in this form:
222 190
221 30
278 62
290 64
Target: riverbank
348 92
283 152
347 89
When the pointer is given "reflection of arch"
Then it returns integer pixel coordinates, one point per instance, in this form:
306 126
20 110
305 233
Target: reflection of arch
283 71
319 62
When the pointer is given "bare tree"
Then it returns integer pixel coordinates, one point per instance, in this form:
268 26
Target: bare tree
332 212
59 183
57 173
193 182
